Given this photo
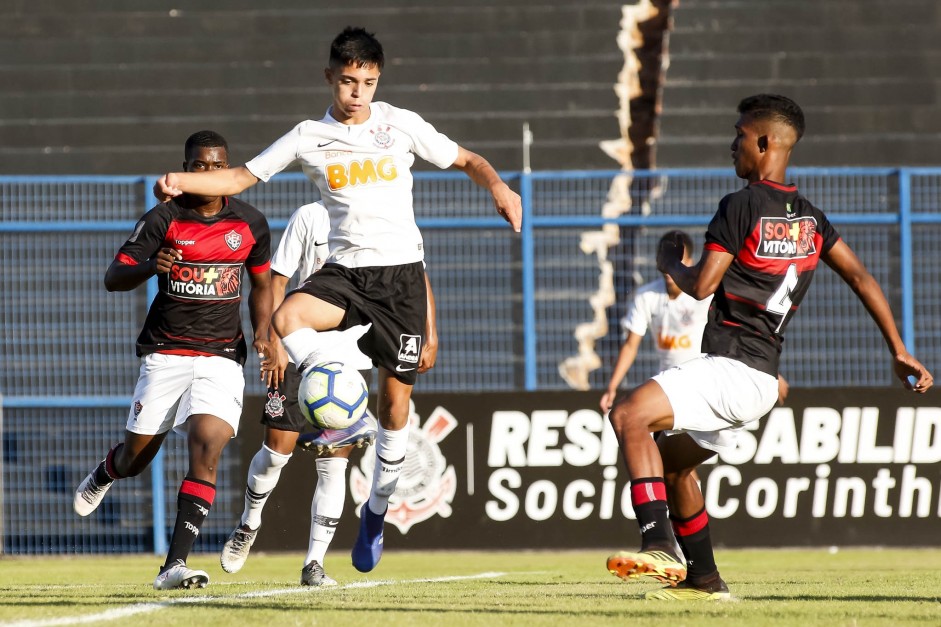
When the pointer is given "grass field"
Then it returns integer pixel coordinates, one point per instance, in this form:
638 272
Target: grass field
783 587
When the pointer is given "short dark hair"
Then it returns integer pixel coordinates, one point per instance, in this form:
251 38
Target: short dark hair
774 107
204 139
671 236
354 46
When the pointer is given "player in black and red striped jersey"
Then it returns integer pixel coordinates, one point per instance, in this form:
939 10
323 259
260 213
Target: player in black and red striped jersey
191 346
762 248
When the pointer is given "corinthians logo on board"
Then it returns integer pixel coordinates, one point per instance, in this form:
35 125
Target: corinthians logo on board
427 484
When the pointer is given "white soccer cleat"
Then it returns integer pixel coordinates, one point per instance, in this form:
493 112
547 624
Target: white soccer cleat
236 548
179 577
313 575
89 495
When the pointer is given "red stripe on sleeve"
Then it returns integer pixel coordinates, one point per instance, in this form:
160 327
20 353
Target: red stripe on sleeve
121 257
716 247
260 269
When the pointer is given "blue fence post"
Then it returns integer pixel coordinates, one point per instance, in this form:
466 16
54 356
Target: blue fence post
157 471
906 254
529 282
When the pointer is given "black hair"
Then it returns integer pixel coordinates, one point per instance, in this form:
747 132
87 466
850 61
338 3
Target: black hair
671 236
774 107
354 46
204 139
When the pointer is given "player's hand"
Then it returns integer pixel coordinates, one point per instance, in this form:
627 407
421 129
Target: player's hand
906 368
783 388
429 354
669 252
266 362
607 400
509 205
279 360
167 187
165 258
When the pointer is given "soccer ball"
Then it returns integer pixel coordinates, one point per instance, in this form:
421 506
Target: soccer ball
332 395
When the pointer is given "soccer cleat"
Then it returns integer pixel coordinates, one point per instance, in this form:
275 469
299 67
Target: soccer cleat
236 548
660 565
313 575
687 591
368 548
89 494
179 577
360 434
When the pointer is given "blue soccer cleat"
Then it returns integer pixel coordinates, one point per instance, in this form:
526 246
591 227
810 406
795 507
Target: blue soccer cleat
368 548
360 434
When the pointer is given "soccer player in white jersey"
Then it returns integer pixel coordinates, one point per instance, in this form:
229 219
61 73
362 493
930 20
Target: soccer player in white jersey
303 248
674 318
360 156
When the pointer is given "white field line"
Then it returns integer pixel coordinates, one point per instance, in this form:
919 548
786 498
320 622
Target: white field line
144 608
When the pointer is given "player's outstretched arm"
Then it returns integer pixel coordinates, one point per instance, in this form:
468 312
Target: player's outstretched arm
122 277
626 357
506 201
845 263
276 361
225 182
259 310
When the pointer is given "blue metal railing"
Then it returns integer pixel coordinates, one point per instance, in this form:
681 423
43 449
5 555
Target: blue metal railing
891 210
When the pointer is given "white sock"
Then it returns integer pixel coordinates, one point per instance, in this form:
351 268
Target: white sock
263 475
390 459
301 345
326 506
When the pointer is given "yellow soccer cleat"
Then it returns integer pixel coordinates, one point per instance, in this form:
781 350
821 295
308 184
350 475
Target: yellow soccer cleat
685 591
660 565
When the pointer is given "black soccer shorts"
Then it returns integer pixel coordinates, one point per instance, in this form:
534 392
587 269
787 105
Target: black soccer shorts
393 298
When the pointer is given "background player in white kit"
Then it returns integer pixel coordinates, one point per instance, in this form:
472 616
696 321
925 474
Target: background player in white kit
303 248
360 156
675 320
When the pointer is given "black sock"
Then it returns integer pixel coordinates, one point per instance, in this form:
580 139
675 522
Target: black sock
649 498
193 503
105 473
693 535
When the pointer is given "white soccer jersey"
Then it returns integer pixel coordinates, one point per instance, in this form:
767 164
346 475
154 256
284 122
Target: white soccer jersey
363 172
303 249
676 324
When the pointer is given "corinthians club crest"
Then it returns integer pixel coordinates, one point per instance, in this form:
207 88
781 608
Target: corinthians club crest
427 484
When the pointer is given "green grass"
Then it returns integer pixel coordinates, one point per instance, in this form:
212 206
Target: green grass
785 587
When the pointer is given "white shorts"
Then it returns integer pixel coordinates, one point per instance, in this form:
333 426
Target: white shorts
713 398
171 388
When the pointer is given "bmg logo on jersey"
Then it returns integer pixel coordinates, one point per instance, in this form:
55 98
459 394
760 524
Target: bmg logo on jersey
365 172
409 348
201 281
787 238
